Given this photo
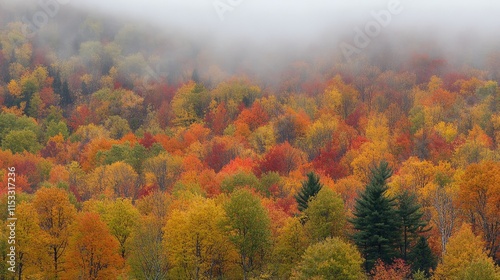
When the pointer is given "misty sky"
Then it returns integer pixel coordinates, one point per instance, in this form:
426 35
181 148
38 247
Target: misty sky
261 32
298 18
300 23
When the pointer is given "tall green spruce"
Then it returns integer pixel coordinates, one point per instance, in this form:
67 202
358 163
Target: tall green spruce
414 248
421 257
310 188
412 225
376 220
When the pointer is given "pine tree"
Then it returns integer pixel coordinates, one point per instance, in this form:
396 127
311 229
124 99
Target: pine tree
410 217
421 257
376 220
65 94
56 83
310 188
85 88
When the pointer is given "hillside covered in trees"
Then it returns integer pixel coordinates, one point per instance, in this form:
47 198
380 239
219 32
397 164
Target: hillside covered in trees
152 160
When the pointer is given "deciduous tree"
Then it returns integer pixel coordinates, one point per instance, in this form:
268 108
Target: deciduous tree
249 230
197 246
463 251
149 258
55 215
330 259
479 196
29 242
122 218
92 250
325 215
291 243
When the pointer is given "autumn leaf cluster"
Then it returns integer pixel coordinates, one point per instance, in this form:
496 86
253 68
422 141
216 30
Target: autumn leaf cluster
195 174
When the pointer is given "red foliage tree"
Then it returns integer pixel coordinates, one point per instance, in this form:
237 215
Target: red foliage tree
217 156
439 149
80 116
148 140
254 116
218 118
282 158
329 161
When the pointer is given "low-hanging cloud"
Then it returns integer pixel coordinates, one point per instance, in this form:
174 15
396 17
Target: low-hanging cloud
263 35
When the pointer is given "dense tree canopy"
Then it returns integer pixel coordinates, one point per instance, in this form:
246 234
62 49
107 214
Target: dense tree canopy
138 155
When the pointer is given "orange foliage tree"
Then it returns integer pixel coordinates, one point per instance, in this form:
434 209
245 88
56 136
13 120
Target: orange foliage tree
92 250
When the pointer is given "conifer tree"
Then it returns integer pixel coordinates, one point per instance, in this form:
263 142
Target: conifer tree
65 94
376 220
310 188
410 217
421 257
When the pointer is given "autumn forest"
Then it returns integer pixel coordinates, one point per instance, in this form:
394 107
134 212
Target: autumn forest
138 156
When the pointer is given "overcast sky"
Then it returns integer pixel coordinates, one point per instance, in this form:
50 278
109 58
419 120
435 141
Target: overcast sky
284 16
260 31
302 22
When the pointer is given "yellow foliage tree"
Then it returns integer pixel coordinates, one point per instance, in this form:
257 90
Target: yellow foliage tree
14 88
29 242
55 215
479 197
196 243
290 245
463 250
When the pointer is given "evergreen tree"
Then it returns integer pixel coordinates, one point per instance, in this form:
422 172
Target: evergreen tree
410 217
56 83
310 188
376 220
85 89
421 257
65 94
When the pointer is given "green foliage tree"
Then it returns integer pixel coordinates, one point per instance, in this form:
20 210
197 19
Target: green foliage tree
121 218
481 269
134 155
309 189
249 229
239 180
376 220
19 141
117 126
325 215
330 259
10 122
57 127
